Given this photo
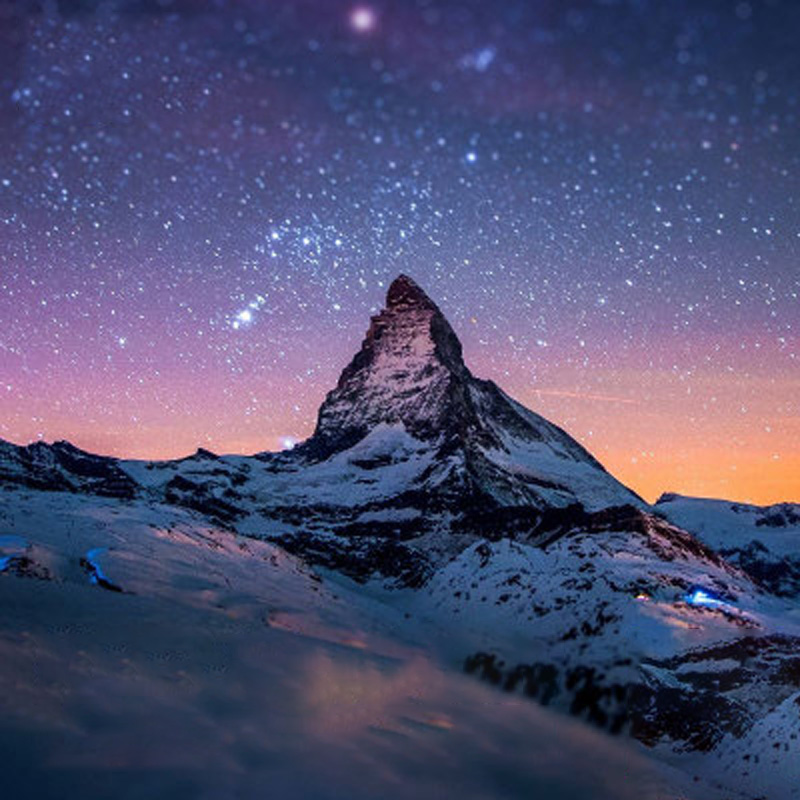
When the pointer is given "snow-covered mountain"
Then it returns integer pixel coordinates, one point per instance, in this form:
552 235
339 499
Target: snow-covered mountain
470 526
412 457
409 378
63 467
763 540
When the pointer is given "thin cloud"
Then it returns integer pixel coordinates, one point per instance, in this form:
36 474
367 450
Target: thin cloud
603 398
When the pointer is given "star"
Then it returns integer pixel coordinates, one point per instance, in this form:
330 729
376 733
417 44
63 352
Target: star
363 19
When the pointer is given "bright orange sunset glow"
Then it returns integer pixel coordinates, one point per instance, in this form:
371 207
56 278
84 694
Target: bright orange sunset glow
698 431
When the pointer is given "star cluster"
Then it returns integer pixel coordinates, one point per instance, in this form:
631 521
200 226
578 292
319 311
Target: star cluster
202 201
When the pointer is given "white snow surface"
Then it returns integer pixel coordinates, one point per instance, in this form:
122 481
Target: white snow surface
765 761
605 599
724 525
226 668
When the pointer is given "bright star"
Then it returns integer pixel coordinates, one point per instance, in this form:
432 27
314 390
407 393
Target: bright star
242 318
363 19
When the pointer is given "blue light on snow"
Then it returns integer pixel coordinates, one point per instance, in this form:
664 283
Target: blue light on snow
91 559
702 597
11 546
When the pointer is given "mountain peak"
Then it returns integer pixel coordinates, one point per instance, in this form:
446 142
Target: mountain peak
404 292
409 380
404 374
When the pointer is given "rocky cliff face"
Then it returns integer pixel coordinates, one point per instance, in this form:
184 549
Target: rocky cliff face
409 372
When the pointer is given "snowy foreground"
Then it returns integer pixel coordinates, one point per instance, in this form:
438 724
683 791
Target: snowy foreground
225 668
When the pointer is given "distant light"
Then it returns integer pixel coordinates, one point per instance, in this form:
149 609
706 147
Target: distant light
363 19
288 443
701 597
471 157
484 58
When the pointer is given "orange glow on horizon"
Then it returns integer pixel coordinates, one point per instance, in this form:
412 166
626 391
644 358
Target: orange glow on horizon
732 434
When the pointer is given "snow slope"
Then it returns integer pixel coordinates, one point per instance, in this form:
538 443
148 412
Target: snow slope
225 668
762 540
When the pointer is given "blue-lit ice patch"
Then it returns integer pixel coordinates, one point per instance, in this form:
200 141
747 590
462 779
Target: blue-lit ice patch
11 547
704 597
96 575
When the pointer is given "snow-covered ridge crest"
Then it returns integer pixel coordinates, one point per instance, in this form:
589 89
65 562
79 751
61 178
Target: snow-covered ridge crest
762 540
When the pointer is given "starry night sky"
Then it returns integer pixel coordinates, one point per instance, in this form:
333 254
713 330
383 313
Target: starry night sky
202 202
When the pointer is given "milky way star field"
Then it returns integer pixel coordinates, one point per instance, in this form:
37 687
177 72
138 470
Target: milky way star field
203 201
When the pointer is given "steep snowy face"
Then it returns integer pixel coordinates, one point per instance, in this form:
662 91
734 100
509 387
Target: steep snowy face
409 371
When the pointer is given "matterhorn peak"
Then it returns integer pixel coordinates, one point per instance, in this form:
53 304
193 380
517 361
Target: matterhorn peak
404 292
404 374
409 380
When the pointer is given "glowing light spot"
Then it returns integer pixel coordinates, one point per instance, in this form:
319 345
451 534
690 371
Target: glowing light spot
702 597
288 442
471 157
480 60
363 19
